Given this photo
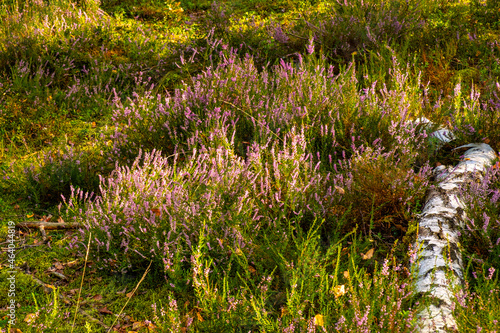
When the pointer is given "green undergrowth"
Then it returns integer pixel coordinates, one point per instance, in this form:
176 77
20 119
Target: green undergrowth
260 162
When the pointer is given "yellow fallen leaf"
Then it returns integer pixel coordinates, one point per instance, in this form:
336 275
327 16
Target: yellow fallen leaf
200 318
137 325
340 189
318 320
368 255
30 318
339 291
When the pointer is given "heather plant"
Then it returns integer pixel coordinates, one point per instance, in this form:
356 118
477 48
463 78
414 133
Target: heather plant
473 116
482 224
476 307
215 191
229 221
332 133
344 28
330 107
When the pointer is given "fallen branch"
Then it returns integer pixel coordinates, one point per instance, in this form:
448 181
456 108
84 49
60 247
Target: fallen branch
48 225
440 267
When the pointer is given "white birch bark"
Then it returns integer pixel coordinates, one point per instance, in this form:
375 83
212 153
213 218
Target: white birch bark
439 267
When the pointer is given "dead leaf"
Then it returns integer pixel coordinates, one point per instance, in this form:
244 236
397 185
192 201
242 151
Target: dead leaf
252 269
97 297
46 218
137 325
72 263
368 255
30 318
16 207
346 274
105 310
339 291
58 265
15 330
319 320
438 164
200 318
60 220
340 189
130 294
156 211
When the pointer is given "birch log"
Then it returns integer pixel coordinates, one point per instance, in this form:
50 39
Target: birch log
440 266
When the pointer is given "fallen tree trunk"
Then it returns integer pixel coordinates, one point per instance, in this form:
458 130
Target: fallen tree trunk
440 267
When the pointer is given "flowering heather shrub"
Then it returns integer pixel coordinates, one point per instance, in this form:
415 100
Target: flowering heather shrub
156 210
483 223
237 107
345 27
206 221
261 106
474 118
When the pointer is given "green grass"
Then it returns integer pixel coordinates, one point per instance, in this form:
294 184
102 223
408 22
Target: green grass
275 137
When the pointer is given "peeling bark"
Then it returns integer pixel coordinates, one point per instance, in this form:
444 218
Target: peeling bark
440 267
